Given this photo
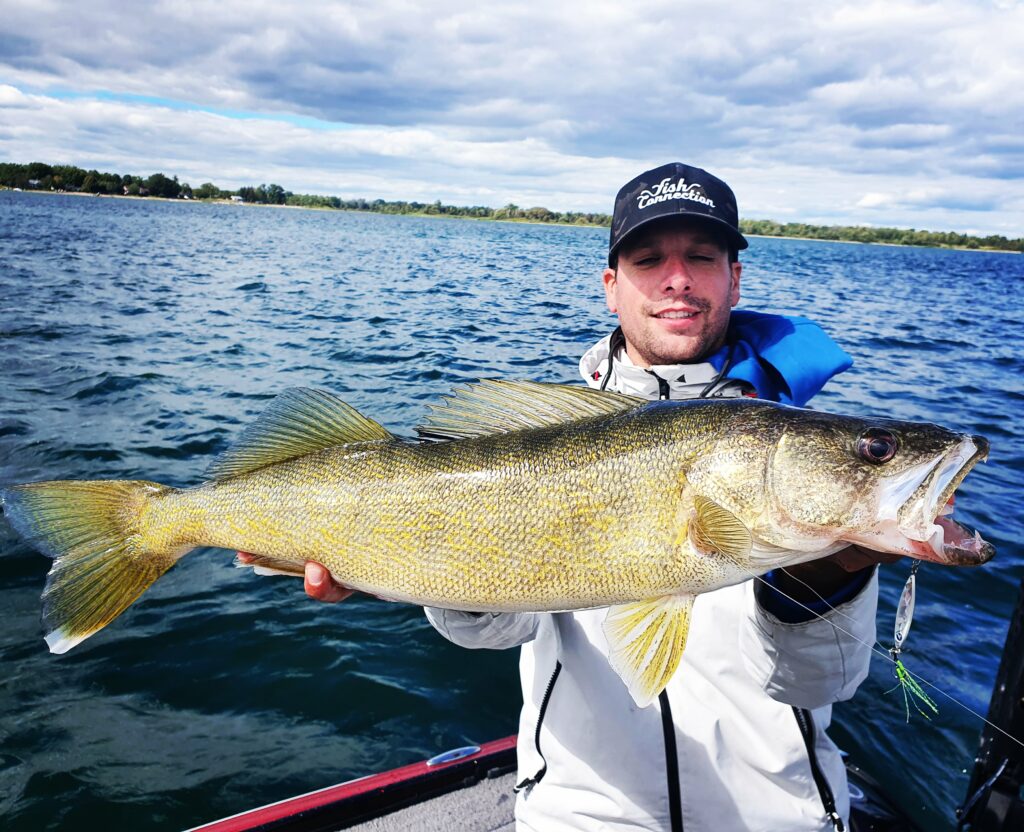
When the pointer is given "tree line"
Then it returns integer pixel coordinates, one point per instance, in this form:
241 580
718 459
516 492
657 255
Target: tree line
873 234
41 176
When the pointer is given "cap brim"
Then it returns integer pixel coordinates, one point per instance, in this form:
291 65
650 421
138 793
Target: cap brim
732 234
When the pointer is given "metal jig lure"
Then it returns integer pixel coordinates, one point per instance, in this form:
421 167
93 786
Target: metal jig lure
905 681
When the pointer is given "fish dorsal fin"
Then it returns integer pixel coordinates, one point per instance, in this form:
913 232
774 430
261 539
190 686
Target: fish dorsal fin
646 640
488 407
715 529
298 422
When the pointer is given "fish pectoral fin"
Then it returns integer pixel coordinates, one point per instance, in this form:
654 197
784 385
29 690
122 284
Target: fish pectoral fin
267 565
715 529
646 641
488 407
298 422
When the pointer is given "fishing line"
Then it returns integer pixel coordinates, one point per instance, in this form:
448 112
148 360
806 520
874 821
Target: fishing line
875 648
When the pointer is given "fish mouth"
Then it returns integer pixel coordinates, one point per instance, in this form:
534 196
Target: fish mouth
946 540
961 545
916 517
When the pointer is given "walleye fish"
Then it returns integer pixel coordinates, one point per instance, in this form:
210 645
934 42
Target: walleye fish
520 496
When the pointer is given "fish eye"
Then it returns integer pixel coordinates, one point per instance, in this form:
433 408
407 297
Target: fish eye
877 446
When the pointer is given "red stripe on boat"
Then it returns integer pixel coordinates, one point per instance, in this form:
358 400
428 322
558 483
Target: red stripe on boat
256 818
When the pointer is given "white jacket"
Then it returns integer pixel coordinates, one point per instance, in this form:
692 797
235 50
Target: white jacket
743 763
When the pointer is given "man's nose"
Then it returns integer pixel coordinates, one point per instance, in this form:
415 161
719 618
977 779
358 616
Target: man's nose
677 276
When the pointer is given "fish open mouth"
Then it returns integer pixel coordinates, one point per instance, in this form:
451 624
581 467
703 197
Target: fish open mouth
916 511
926 517
962 545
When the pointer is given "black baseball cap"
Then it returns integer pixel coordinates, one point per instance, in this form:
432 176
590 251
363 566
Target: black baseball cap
674 190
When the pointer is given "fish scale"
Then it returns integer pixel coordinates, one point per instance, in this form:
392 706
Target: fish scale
480 544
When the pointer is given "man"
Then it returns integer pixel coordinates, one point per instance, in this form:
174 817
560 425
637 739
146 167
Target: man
736 741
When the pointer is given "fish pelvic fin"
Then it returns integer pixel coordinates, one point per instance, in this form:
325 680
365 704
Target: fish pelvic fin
646 640
101 563
298 422
488 407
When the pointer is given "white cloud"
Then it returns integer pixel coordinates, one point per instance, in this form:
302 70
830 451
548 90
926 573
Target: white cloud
363 161
553 104
875 200
11 96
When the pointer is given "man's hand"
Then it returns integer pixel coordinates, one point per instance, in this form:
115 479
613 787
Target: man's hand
855 558
320 585
824 577
318 582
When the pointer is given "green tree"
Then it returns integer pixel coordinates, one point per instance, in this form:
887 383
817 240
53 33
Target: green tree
38 170
276 195
69 177
207 191
160 185
509 212
539 214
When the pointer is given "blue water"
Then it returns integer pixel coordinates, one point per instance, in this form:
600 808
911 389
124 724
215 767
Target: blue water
139 337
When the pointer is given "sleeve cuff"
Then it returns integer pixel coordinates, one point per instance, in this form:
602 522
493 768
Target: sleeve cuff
787 611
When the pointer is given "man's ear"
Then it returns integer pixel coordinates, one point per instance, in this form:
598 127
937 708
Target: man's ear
734 293
610 283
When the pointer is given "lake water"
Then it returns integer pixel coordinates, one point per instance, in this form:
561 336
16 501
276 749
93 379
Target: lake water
138 338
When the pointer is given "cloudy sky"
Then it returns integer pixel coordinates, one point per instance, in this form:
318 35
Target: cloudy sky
901 112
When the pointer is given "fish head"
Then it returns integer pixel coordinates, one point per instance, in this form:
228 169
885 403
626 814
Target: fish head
885 484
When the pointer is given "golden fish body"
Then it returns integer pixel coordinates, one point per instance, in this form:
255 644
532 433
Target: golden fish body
540 498
553 519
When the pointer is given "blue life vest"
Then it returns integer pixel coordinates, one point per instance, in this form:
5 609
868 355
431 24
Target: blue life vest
787 358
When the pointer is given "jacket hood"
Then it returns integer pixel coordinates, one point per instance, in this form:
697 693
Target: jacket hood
685 381
782 358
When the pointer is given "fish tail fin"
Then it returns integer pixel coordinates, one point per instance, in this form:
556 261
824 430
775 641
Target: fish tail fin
103 560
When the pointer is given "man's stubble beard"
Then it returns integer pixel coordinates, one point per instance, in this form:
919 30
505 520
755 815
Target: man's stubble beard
688 349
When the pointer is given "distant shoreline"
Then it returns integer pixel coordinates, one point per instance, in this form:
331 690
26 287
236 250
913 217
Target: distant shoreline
514 220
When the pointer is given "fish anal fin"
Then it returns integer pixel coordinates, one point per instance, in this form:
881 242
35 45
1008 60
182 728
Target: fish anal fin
489 407
715 529
298 422
646 640
267 565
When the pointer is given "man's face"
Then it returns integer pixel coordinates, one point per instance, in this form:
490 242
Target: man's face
673 289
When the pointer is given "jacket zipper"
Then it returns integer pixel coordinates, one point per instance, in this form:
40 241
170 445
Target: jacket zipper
664 391
528 783
805 721
675 800
675 808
